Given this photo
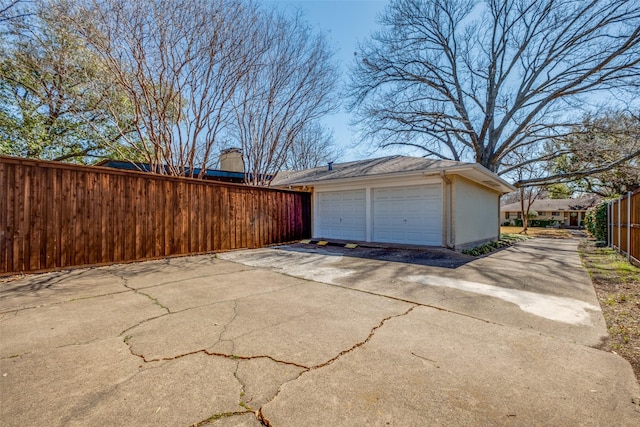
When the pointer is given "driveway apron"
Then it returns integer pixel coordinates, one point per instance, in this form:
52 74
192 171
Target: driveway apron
297 335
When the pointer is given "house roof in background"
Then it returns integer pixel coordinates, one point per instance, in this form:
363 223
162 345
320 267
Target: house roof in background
213 174
389 166
555 205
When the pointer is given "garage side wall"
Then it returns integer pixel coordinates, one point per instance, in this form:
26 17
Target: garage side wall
477 212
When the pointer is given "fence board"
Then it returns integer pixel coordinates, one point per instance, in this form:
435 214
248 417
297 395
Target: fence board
55 215
625 220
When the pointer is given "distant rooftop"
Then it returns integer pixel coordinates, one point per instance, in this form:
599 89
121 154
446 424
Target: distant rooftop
555 205
210 174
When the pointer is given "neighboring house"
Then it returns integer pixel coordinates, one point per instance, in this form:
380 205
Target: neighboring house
565 212
404 200
231 167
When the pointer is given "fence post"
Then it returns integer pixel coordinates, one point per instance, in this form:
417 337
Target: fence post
629 226
609 224
618 222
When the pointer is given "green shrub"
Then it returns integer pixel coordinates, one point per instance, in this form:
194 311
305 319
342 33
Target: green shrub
596 221
505 240
542 222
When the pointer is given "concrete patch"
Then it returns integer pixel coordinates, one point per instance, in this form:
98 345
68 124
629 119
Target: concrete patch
310 265
560 309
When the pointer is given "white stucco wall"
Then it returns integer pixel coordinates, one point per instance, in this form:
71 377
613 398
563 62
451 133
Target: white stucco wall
476 213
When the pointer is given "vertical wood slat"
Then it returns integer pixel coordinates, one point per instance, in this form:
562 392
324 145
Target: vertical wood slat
625 220
55 215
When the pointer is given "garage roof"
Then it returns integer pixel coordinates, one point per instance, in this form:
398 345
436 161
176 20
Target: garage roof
391 166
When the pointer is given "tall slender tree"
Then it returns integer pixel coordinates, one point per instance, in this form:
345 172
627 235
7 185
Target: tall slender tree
289 88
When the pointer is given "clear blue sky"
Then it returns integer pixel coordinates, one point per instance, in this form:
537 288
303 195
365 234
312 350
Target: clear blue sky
345 23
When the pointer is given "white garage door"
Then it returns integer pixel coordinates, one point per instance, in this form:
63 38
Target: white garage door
411 215
342 215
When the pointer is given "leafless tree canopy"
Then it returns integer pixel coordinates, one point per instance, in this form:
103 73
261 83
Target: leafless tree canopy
11 9
470 80
289 88
312 147
204 74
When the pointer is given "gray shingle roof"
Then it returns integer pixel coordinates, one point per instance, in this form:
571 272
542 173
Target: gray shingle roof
554 205
362 168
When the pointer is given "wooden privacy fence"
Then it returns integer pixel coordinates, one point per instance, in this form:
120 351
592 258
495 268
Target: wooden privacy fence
55 215
624 225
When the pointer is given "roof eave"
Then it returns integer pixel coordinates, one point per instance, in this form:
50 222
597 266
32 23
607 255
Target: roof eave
491 181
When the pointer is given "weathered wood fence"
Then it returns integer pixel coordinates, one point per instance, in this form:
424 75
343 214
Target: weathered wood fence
624 225
55 215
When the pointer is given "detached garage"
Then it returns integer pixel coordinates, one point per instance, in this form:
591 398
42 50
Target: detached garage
404 200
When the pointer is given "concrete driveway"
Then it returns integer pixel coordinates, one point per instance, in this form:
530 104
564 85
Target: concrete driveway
301 336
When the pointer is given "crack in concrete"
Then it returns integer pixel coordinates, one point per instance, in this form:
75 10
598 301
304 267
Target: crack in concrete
366 340
125 283
261 416
210 353
446 310
435 363
188 279
15 356
219 416
52 304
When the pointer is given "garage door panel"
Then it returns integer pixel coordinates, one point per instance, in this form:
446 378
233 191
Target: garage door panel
410 215
342 215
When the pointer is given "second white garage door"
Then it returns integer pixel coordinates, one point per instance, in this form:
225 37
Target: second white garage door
411 215
342 215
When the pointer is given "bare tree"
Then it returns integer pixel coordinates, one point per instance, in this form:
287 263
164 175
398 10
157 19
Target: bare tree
461 79
289 87
526 195
312 147
179 64
12 9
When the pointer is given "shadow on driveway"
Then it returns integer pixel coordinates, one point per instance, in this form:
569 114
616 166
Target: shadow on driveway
432 257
